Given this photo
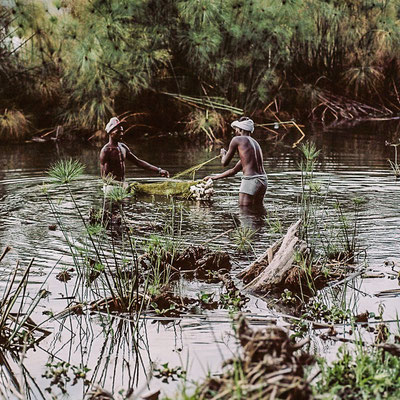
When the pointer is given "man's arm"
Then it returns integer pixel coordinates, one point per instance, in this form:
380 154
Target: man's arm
144 164
103 162
228 155
228 173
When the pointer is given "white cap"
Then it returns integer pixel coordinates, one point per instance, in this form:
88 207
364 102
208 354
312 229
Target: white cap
246 125
114 121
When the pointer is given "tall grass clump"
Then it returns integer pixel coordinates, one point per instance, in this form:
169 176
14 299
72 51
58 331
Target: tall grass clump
348 45
331 238
243 238
310 188
17 329
205 123
14 125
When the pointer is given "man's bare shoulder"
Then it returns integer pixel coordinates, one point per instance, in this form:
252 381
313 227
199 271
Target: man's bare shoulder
124 146
235 141
106 148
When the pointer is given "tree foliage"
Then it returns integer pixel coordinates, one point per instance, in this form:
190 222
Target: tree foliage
91 60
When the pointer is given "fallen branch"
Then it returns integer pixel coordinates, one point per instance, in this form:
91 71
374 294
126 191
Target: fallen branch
274 265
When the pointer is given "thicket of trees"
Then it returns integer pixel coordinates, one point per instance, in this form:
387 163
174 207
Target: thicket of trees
77 62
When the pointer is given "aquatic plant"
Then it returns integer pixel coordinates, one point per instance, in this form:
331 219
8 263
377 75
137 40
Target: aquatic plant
116 192
205 122
394 164
65 171
337 239
14 125
348 232
274 222
243 237
161 253
361 372
60 373
17 329
167 373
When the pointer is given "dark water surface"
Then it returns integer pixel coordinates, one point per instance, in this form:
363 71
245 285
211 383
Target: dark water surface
353 163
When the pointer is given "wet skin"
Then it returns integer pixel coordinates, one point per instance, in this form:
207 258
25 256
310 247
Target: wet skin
114 154
251 162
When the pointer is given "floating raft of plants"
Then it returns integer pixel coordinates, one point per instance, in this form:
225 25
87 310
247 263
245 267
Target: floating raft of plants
194 190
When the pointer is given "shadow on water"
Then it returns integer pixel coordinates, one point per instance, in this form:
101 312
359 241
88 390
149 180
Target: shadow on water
120 352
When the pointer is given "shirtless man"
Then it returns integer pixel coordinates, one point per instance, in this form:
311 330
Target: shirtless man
114 154
254 180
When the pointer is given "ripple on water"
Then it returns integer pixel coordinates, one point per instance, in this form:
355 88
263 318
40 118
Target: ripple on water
197 343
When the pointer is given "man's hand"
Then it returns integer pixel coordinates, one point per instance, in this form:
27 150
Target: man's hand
207 178
164 173
222 152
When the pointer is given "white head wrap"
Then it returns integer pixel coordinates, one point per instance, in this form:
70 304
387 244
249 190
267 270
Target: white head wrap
246 125
114 121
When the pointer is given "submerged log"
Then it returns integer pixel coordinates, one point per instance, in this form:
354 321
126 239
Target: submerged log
270 270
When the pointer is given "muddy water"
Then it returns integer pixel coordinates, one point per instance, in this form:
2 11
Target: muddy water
353 163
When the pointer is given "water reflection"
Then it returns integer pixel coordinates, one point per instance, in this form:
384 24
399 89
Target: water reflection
120 352
252 216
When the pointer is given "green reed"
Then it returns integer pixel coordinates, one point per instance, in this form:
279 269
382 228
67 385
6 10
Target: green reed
17 329
109 262
394 164
361 372
328 239
64 173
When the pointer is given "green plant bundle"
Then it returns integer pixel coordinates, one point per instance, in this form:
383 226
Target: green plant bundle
166 188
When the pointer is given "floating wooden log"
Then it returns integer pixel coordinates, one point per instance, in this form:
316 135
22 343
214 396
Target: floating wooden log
270 271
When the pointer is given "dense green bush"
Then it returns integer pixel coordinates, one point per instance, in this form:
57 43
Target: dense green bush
94 59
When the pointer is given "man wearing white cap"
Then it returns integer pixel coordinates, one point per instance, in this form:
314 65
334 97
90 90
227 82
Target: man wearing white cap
254 179
114 154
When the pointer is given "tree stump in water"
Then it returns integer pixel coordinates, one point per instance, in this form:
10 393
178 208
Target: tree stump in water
270 270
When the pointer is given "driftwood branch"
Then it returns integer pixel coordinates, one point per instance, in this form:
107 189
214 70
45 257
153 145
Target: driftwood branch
270 270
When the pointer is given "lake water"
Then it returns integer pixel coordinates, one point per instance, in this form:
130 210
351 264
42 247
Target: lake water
353 163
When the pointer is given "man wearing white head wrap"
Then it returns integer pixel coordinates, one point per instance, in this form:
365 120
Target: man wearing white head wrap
114 154
244 124
254 180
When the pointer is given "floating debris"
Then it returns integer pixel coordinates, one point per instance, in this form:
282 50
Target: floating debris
267 369
63 276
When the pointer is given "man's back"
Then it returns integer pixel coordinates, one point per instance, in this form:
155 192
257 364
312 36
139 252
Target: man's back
250 155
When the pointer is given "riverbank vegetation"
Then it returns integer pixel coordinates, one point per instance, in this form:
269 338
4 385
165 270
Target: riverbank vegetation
194 63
